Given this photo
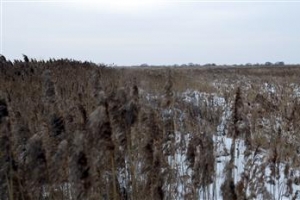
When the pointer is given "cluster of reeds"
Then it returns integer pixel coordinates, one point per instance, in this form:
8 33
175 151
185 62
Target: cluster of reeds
76 130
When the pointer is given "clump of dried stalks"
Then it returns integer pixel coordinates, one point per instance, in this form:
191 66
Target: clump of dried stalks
65 135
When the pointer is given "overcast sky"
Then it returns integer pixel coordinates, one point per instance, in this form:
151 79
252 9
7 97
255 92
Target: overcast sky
130 32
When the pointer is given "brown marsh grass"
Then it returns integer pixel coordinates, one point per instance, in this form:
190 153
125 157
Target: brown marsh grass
77 130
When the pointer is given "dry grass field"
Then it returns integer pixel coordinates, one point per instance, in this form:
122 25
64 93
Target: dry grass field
77 130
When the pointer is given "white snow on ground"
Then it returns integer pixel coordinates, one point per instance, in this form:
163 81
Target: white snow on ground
252 164
197 98
296 89
269 88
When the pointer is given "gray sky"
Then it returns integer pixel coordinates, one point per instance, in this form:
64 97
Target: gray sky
129 32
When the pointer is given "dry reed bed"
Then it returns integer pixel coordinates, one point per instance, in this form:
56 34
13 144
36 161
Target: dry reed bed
73 130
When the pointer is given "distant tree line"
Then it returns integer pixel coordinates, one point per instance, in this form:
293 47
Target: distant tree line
279 63
26 60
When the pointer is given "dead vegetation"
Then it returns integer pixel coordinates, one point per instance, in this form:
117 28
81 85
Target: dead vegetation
74 130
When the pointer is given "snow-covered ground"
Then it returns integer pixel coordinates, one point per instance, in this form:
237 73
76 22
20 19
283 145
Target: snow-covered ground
261 179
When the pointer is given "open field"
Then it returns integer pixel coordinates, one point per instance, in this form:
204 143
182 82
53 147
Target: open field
74 130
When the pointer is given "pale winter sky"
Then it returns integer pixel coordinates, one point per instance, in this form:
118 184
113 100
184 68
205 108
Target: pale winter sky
130 32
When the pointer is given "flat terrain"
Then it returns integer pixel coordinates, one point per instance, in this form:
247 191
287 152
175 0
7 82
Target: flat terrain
77 130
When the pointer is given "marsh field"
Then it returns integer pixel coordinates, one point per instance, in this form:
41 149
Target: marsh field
77 130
